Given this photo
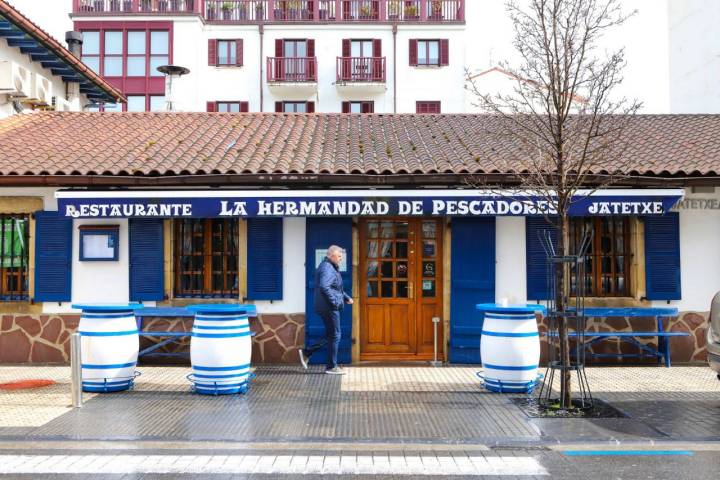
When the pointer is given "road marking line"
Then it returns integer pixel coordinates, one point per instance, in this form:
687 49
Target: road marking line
239 464
593 453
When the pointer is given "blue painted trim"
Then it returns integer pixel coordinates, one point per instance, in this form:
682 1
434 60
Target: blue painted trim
510 367
108 334
221 335
607 453
511 335
510 317
244 374
213 327
109 366
220 369
217 308
91 316
510 309
219 318
120 307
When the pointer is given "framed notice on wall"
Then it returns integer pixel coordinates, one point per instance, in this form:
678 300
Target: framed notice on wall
99 243
320 255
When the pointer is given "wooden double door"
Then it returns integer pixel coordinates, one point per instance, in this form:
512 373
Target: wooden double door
401 288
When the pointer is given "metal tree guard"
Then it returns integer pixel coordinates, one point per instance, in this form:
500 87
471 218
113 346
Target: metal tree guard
574 316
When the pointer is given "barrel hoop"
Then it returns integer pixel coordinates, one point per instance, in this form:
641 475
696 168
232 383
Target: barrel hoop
221 335
234 375
510 367
107 334
500 316
112 383
510 334
219 386
221 369
224 327
116 365
220 317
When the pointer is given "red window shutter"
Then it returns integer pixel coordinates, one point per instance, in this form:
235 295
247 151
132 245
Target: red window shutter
444 52
212 52
377 48
311 48
413 52
346 47
279 47
310 107
244 107
345 107
279 107
239 52
211 107
367 107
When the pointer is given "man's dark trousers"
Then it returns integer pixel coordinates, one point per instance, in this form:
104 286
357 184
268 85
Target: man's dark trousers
331 319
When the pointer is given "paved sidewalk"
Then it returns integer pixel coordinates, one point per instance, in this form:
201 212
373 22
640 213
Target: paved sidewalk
408 405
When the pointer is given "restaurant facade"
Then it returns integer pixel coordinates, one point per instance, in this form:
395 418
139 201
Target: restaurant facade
169 209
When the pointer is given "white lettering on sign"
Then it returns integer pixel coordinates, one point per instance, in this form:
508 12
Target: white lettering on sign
625 208
237 209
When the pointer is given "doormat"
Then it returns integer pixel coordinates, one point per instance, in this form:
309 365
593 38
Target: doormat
531 407
26 384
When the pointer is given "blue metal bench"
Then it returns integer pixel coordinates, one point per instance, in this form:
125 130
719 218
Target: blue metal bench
172 312
662 352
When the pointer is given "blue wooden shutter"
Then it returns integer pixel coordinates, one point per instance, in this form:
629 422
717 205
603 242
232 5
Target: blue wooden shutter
265 259
53 257
320 234
536 258
146 259
662 257
472 281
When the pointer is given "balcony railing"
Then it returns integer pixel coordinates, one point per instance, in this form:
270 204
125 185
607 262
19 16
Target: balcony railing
137 6
267 11
361 69
292 69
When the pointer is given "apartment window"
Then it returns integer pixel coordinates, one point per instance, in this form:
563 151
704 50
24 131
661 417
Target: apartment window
358 107
427 107
227 52
136 103
126 53
157 103
295 107
14 257
206 257
429 52
91 50
232 107
607 263
113 50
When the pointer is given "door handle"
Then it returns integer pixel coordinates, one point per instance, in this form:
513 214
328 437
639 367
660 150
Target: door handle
411 290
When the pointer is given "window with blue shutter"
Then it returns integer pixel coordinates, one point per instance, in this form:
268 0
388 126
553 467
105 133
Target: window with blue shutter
536 258
320 233
146 259
662 257
472 281
265 258
53 257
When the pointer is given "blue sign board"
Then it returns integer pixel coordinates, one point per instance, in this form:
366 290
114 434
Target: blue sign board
371 203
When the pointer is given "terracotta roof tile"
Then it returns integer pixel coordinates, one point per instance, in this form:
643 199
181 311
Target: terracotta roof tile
66 143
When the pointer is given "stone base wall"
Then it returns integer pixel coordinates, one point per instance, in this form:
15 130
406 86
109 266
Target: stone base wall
690 349
277 337
36 338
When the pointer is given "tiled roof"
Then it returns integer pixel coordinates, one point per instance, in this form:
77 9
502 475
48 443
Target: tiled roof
72 143
23 23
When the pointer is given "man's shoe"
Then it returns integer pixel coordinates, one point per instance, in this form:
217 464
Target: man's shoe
303 358
335 371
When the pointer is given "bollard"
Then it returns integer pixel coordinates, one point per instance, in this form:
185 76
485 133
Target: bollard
75 370
435 362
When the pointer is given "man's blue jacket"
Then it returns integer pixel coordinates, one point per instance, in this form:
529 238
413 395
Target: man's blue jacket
329 294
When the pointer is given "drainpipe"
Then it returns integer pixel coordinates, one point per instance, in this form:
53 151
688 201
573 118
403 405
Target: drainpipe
261 30
74 41
394 31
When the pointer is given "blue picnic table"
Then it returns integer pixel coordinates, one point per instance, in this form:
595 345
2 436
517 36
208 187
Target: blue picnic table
662 352
170 337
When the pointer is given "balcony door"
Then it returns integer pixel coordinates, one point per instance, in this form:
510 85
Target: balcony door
295 52
362 52
401 288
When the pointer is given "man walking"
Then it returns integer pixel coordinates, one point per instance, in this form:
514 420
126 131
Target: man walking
329 299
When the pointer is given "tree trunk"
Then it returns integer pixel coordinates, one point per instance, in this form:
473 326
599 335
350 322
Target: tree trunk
561 299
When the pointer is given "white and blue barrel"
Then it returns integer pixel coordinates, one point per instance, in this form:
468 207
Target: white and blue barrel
510 347
220 349
109 345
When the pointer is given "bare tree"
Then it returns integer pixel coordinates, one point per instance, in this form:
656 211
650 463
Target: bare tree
563 115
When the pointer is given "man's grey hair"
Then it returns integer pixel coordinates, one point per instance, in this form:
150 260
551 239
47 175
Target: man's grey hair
334 249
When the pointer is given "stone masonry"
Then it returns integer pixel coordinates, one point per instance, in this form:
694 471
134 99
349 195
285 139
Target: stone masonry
45 338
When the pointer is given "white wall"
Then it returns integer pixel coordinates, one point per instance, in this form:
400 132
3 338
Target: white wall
510 267
699 252
293 300
53 16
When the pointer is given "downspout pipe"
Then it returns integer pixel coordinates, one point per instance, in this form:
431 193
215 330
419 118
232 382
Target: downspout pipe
261 31
394 31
